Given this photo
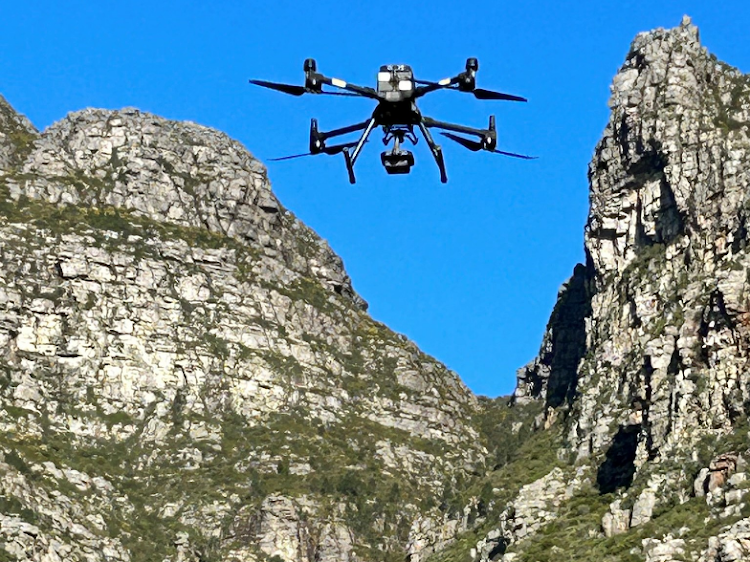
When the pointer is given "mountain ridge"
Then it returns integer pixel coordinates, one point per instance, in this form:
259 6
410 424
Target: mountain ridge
168 341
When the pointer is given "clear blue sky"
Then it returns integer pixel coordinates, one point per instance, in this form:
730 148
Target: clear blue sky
469 270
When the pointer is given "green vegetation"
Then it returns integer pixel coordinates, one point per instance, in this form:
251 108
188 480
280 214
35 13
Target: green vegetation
253 458
529 458
23 140
20 138
724 117
576 534
649 258
345 469
505 428
12 505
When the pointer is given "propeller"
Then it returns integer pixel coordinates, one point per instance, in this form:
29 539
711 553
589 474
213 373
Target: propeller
482 94
286 88
479 93
335 149
296 90
475 146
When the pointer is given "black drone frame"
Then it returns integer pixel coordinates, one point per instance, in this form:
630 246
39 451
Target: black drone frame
397 114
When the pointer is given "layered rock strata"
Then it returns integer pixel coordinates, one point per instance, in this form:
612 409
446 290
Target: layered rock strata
185 369
644 366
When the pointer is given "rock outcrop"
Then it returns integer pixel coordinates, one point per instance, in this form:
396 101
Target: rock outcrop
16 136
185 369
644 366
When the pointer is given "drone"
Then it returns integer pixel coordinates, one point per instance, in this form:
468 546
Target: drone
397 113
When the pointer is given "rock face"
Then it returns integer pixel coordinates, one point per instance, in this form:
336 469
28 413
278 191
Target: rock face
185 370
179 173
666 236
16 135
666 279
644 367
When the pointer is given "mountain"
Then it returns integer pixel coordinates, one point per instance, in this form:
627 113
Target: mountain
187 374
643 371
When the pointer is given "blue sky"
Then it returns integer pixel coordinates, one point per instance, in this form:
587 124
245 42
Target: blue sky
469 270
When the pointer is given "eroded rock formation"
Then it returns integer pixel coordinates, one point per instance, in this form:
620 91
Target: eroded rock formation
185 369
644 366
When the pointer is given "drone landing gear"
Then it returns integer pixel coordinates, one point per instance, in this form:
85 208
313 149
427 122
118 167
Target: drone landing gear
349 166
351 159
437 152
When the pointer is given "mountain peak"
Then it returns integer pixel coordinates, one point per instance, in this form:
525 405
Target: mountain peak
679 116
644 362
173 172
16 135
165 324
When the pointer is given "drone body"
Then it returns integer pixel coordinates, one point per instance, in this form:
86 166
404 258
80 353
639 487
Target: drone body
397 113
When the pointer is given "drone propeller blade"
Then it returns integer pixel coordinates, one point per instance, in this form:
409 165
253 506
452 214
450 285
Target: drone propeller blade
335 149
290 157
476 146
482 94
468 143
298 90
286 88
479 93
339 94
514 155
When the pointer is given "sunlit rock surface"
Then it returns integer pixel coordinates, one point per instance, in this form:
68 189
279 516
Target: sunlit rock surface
168 327
644 366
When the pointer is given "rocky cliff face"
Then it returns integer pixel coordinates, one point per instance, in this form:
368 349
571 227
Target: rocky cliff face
185 370
644 367
16 136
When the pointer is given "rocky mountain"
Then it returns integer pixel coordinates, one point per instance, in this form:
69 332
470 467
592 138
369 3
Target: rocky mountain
187 374
643 371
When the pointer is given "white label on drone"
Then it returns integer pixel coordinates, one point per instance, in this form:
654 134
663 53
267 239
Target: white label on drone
338 83
445 81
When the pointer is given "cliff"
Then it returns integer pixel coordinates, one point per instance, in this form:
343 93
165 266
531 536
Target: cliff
643 371
186 372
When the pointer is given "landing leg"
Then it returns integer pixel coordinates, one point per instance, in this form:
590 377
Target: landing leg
349 166
351 159
437 152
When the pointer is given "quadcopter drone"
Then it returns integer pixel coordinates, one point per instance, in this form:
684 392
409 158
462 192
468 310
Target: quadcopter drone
397 113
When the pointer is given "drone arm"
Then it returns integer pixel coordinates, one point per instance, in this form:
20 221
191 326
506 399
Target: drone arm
323 135
432 86
453 127
337 83
437 152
